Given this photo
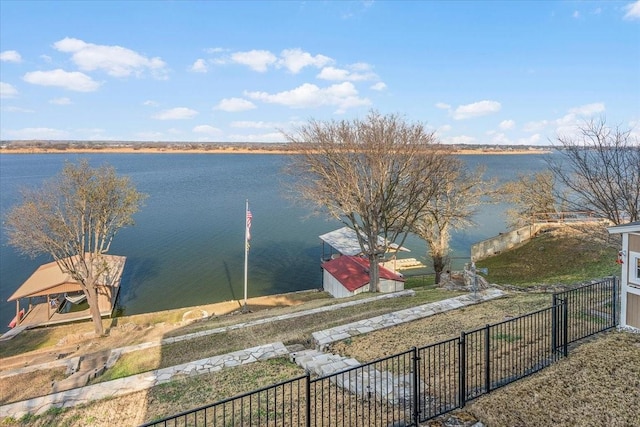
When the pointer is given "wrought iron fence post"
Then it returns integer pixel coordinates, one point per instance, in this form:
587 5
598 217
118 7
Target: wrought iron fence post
565 327
462 371
416 386
487 359
554 325
615 301
307 388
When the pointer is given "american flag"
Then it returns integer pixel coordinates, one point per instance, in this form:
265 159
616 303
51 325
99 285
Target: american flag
249 216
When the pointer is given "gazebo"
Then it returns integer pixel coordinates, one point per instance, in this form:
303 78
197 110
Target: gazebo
49 281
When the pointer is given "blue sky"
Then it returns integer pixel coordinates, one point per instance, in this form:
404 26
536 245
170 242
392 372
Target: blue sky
510 72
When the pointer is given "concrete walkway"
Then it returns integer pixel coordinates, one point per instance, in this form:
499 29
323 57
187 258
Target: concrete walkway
322 338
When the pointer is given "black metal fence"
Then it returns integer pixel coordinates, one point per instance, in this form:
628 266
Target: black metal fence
422 383
592 308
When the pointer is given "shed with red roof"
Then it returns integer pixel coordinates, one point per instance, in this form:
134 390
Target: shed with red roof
347 276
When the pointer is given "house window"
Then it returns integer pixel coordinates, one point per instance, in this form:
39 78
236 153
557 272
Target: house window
634 270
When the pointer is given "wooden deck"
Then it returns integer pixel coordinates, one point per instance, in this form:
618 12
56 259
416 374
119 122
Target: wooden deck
42 315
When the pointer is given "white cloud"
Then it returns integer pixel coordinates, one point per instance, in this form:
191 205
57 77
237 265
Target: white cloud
500 138
150 103
150 136
178 113
444 128
94 134
507 124
295 60
234 105
254 125
13 109
380 86
215 50
265 137
576 14
60 101
443 106
36 133
343 95
10 56
588 109
535 126
46 58
633 10
7 90
206 129
200 66
71 80
116 61
477 109
460 139
354 73
257 60
531 140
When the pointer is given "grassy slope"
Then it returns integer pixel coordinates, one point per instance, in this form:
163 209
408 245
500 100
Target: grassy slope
553 258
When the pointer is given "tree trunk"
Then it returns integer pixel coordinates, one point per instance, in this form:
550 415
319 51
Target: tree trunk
92 298
438 266
374 274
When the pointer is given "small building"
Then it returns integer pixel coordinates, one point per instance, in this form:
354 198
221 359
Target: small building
49 289
629 260
347 275
344 241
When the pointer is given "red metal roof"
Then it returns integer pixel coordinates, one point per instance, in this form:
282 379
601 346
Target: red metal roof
353 271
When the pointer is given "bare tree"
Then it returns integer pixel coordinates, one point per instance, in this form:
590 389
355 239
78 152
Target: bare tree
531 195
74 218
600 168
373 174
457 197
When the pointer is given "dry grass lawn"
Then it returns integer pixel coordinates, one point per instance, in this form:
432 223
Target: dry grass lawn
437 328
597 385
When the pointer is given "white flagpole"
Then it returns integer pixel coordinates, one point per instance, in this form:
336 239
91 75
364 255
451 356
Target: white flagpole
246 252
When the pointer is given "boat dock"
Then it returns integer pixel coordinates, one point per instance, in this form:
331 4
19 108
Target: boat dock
48 281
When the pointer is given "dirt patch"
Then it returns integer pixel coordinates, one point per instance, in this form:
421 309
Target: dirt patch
25 386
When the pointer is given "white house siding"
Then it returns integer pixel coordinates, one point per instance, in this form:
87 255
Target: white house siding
630 315
387 285
331 285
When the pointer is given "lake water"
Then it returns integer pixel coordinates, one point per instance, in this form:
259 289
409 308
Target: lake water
187 247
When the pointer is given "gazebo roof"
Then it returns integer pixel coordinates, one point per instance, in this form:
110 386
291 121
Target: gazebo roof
49 279
345 241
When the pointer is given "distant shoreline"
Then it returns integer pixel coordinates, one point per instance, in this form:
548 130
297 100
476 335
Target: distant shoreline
219 150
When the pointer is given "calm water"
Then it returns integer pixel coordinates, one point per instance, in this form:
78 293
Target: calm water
187 245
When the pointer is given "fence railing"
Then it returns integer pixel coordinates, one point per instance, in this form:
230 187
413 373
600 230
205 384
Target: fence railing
592 308
422 383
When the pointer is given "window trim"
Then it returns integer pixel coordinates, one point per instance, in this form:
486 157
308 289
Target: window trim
634 268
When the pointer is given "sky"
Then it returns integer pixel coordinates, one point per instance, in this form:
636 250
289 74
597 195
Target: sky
474 72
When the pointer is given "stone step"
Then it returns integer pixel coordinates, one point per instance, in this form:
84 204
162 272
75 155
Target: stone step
382 385
87 368
322 364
